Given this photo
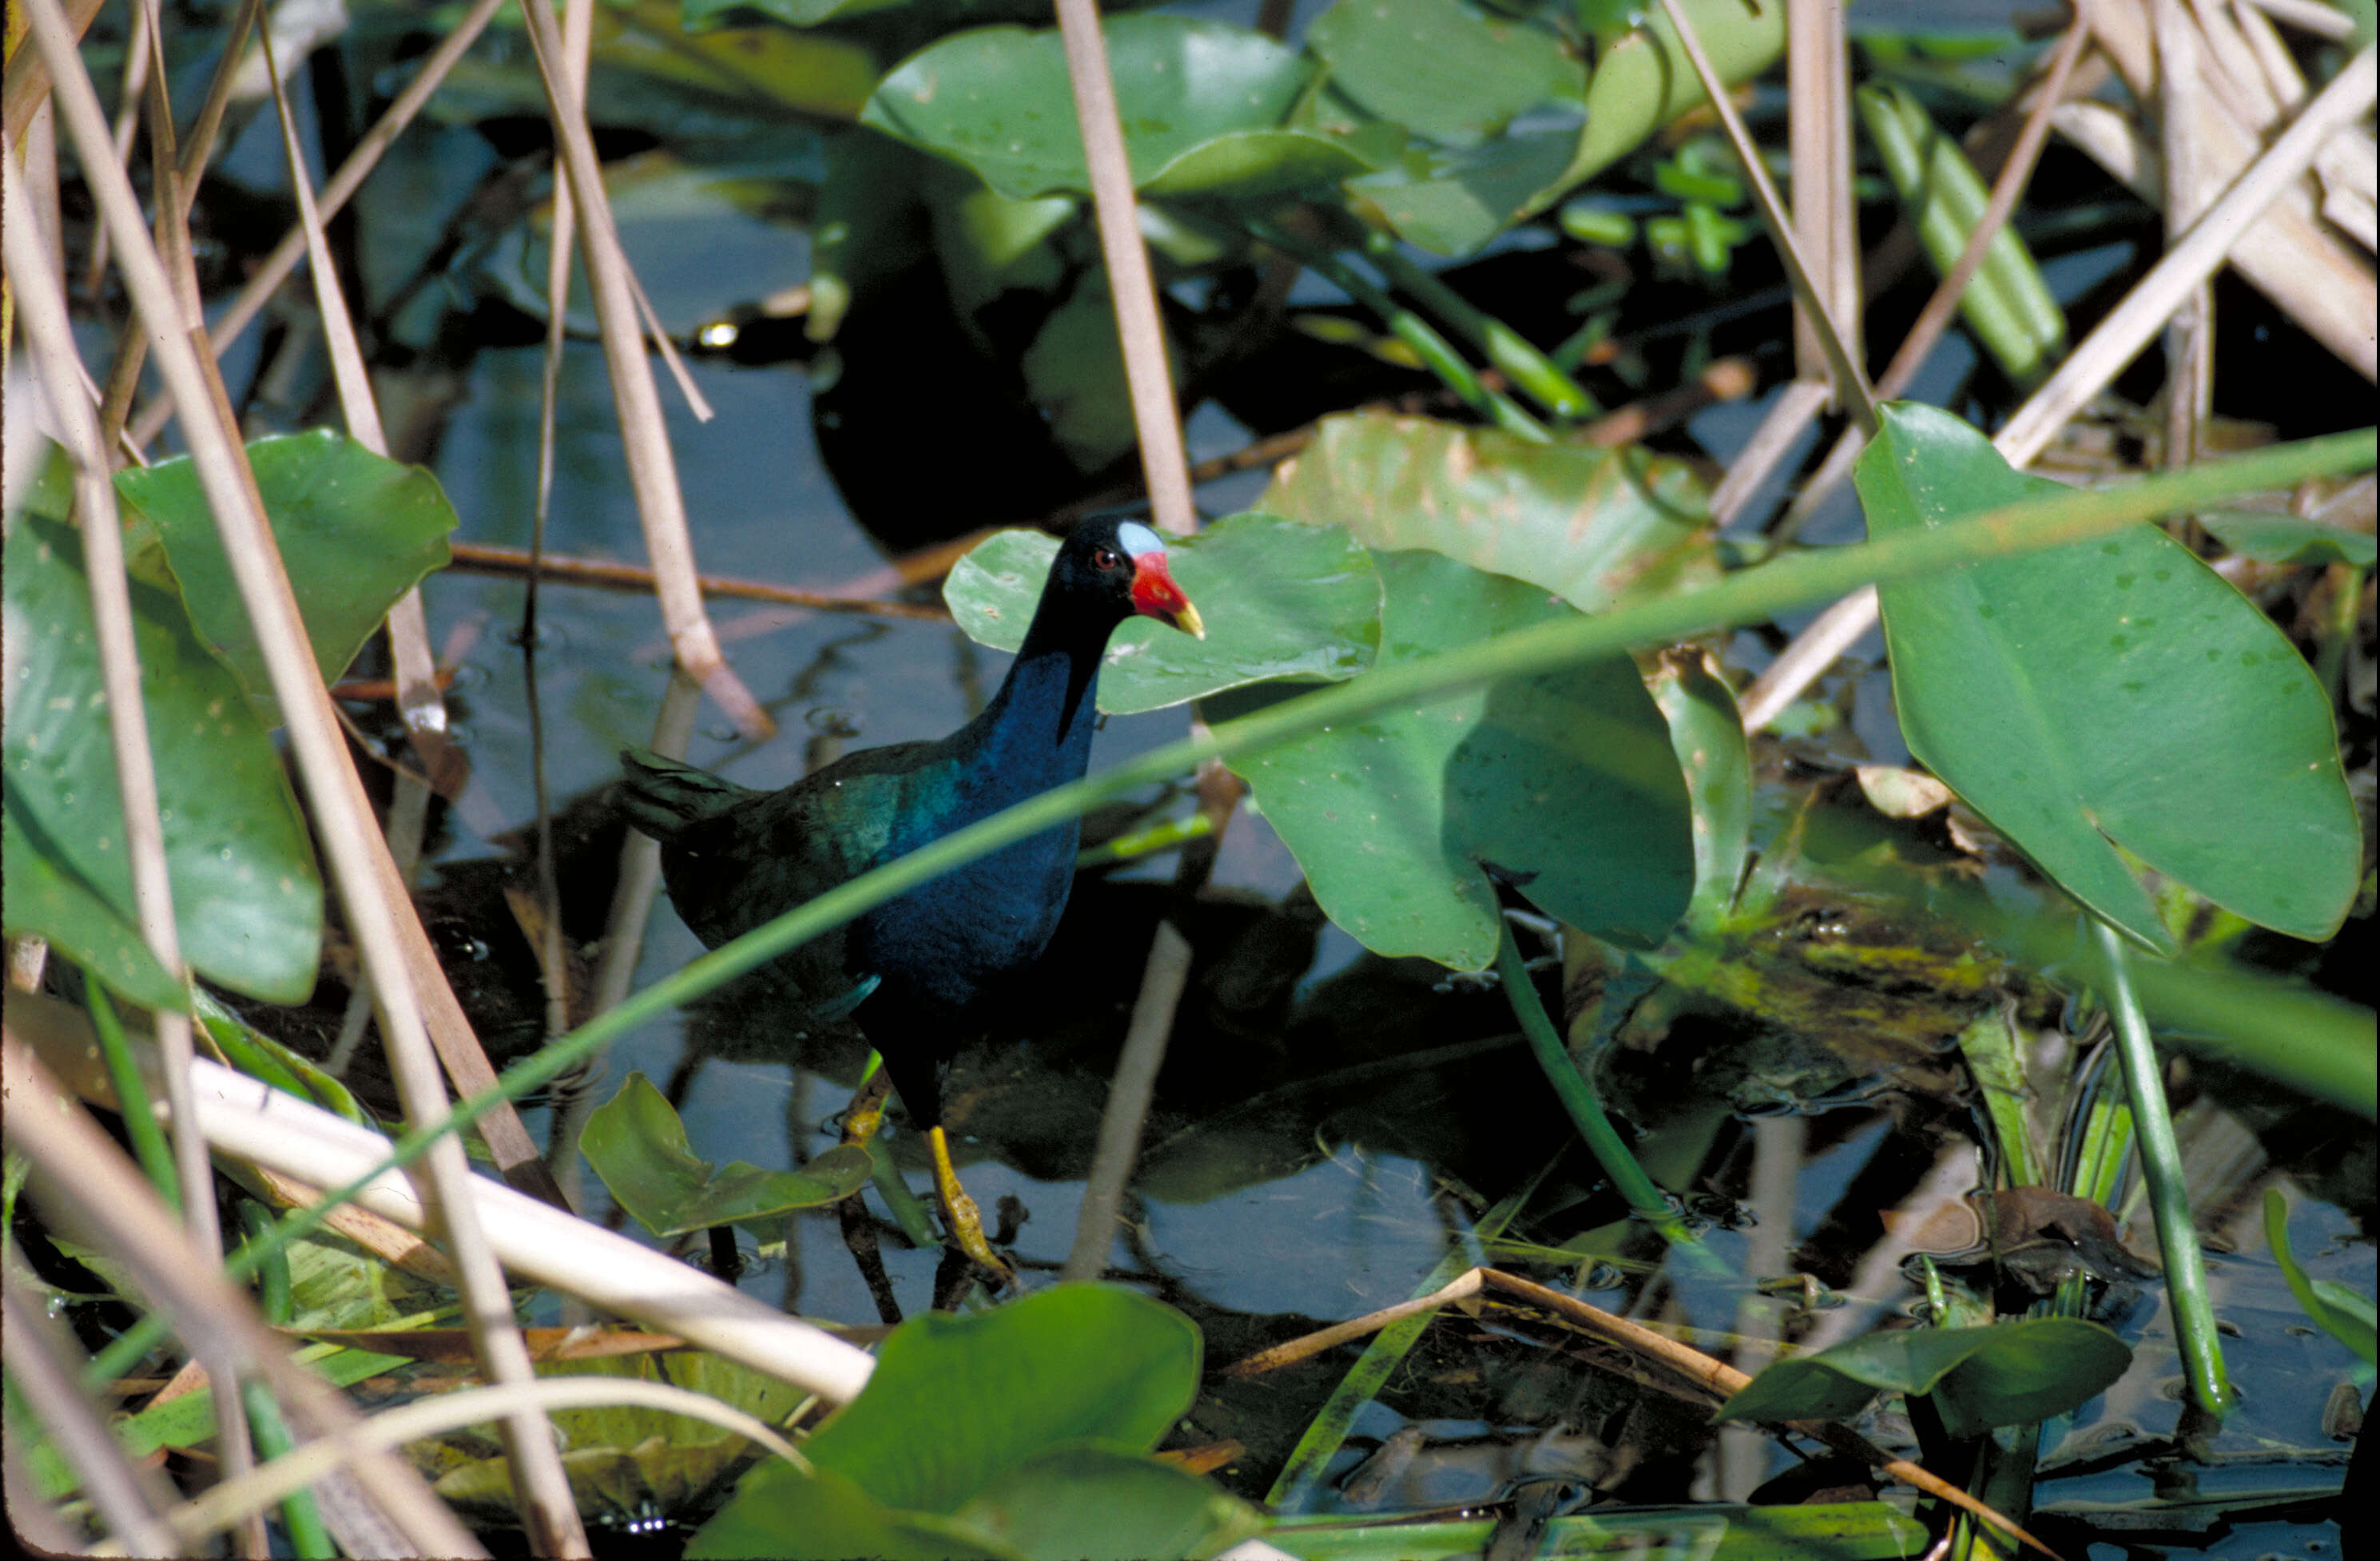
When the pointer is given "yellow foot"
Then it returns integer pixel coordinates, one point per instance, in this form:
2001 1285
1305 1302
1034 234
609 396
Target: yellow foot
959 1212
866 1114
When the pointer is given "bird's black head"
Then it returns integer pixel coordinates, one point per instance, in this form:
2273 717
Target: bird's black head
1118 568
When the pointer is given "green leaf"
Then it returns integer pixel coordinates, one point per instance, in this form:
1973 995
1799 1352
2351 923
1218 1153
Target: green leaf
47 899
997 99
1596 527
956 1402
1452 203
2013 1373
2284 538
1254 165
1564 782
2335 1310
1441 68
246 898
620 1456
1281 600
1642 78
1088 1503
1075 373
638 1145
970 1441
1706 731
355 531
779 1512
2111 694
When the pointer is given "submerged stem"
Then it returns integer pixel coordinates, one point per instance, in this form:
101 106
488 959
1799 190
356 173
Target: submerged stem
1579 1098
2185 1265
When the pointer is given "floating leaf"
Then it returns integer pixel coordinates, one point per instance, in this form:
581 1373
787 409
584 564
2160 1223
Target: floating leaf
997 99
638 1145
1005 1433
1281 600
2111 694
2007 1374
1098 1504
1441 68
1452 203
1563 782
355 531
246 899
1596 527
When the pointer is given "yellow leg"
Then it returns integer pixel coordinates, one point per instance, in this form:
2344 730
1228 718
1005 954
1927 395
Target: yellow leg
866 1113
959 1211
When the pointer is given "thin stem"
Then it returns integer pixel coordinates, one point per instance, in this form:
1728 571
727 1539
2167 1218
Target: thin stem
1531 369
1578 1095
1437 353
1851 378
2185 1265
149 1145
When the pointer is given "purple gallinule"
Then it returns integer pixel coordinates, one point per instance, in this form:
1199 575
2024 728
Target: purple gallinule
911 972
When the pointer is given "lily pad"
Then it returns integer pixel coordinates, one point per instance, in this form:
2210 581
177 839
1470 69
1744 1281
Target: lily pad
1441 68
2116 694
1281 600
246 898
1981 1377
1596 526
1454 202
1100 1504
638 1145
1011 1432
1564 784
997 99
355 531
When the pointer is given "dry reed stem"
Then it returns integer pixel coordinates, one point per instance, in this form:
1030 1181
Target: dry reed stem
1165 466
2101 357
542 1489
607 575
1826 212
1798 403
276 266
41 302
537 1241
624 939
28 83
83 1170
1130 285
1850 378
173 220
1935 318
644 434
128 1500
1714 1378
225 1504
2310 16
342 815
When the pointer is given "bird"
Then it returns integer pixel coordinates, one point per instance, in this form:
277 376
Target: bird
913 972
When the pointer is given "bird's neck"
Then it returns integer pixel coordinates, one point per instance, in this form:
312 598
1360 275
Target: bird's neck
1037 731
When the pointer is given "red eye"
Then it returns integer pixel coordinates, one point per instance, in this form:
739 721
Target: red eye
1106 559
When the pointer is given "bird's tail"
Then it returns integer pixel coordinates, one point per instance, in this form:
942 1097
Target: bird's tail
665 798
